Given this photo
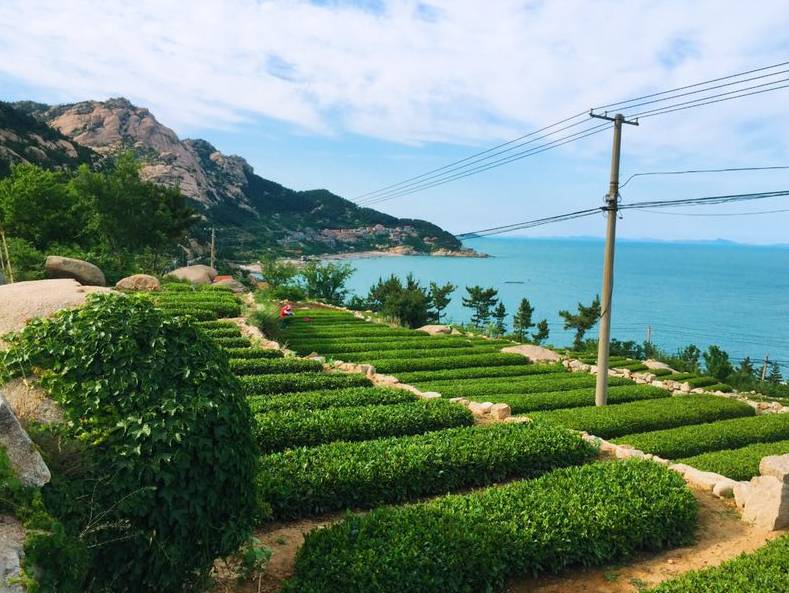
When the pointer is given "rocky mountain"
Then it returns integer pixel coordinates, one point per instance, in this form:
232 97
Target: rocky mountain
250 213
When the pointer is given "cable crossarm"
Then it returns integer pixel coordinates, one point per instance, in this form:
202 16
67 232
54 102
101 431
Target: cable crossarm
706 200
531 223
694 171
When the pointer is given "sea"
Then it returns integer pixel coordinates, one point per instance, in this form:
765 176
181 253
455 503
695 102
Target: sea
732 295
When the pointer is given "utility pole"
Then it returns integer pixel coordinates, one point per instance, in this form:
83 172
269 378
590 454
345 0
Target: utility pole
764 368
611 207
213 247
649 334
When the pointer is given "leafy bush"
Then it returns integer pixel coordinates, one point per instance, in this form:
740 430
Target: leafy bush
737 464
726 434
307 481
528 384
483 372
266 319
294 428
232 342
408 354
584 515
268 366
333 398
170 439
764 571
286 382
253 352
576 398
613 421
426 363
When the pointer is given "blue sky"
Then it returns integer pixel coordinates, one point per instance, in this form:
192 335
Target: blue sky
352 96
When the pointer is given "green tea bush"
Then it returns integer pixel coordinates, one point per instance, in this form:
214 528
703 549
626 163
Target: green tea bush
576 398
719 387
613 421
715 436
268 366
352 346
702 381
294 428
222 332
408 354
660 372
287 382
482 372
737 464
330 398
426 363
314 480
588 515
232 342
764 571
529 384
169 436
217 323
253 352
196 309
365 330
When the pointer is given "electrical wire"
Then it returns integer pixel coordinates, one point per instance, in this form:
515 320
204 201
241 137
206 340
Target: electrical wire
716 214
691 171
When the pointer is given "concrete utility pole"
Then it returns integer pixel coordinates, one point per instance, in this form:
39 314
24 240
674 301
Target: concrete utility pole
213 247
611 207
649 334
764 368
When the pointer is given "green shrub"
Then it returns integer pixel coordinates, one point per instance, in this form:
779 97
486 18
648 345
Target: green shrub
269 366
351 330
613 421
660 372
352 346
287 382
232 342
482 372
726 434
737 464
253 352
764 571
294 428
333 398
576 398
702 381
723 387
217 323
529 384
410 355
584 515
203 308
224 332
426 363
314 480
169 436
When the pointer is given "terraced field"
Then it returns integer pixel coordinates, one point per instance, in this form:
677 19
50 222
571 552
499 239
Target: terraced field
709 432
331 442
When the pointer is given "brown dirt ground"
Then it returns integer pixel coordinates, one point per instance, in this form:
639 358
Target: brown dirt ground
721 535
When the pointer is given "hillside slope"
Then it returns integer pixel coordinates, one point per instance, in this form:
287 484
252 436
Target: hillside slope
250 213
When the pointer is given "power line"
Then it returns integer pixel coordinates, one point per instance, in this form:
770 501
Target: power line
691 171
723 214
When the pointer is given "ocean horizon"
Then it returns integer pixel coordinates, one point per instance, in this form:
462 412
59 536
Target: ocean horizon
700 292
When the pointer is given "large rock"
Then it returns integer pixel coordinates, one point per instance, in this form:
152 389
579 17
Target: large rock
30 403
197 274
434 330
12 551
138 283
776 466
767 503
22 301
81 271
533 353
25 459
233 284
656 364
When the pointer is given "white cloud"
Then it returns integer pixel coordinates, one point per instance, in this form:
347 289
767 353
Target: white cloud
409 71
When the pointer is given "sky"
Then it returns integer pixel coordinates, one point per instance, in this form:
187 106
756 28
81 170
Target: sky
356 95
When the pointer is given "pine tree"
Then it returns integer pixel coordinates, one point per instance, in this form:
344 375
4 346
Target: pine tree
439 295
582 321
775 377
500 315
481 300
521 321
542 332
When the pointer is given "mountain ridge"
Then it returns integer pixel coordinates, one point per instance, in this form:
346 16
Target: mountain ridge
251 213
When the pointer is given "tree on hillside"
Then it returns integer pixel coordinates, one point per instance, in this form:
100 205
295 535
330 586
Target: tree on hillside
542 332
277 273
500 315
775 377
521 321
717 364
690 357
326 282
481 301
439 295
582 321
745 372
408 303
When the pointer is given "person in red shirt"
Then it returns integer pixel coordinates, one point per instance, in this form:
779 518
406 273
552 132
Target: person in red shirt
285 312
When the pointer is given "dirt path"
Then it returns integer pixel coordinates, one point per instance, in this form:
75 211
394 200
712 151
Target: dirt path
721 535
